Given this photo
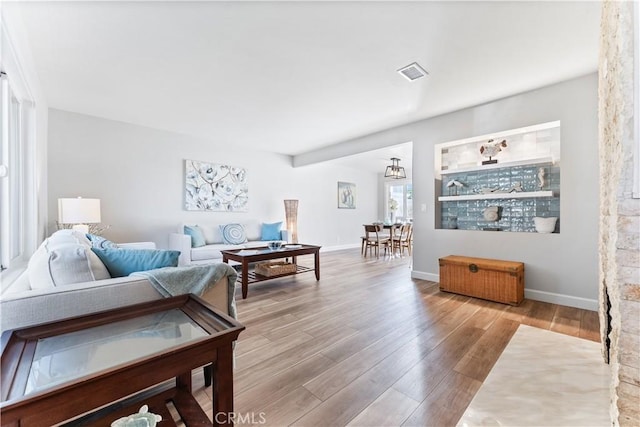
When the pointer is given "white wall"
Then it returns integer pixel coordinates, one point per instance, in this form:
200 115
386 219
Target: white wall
561 268
138 173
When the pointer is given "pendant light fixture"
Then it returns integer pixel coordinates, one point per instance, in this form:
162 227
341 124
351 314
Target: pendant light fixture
394 170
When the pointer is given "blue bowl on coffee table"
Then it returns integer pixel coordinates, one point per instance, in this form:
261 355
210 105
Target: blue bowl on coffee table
274 246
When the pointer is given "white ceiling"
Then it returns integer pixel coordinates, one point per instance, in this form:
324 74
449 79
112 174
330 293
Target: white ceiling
377 160
291 77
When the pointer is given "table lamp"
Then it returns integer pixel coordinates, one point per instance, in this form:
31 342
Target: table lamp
79 212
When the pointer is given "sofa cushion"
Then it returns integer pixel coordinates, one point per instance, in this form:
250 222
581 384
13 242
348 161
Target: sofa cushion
122 262
38 269
47 268
20 284
210 252
64 264
253 229
271 231
70 264
67 236
197 236
233 234
212 234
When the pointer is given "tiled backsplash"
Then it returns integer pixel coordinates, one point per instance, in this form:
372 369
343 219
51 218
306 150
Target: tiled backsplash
515 214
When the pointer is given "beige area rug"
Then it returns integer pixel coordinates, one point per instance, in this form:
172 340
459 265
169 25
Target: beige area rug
543 379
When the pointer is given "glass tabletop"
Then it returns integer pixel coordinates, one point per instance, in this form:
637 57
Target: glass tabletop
69 356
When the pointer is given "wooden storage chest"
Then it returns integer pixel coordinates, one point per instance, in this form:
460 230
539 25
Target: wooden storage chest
495 280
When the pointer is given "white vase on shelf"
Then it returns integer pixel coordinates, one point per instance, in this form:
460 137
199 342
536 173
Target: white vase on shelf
545 225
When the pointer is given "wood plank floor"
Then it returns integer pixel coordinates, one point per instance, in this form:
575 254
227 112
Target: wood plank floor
367 345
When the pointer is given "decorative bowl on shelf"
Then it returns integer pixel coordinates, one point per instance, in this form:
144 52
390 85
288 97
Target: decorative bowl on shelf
545 225
274 246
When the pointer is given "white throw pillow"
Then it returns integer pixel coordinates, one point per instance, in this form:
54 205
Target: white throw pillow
68 236
253 230
70 264
65 258
212 234
38 268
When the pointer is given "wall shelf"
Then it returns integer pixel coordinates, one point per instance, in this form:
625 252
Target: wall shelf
527 162
495 196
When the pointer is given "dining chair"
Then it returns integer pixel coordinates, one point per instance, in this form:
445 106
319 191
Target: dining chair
404 239
373 241
394 237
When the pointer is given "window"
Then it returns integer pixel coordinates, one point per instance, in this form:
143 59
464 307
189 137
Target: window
12 179
399 201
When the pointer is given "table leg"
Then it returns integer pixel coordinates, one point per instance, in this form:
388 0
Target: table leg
317 264
222 393
183 381
208 371
245 279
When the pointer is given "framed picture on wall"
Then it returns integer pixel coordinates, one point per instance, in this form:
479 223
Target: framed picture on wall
215 187
346 195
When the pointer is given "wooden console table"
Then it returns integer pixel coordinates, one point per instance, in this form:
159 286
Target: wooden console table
249 256
59 371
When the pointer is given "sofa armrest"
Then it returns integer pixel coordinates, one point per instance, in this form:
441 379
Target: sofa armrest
218 295
284 235
182 243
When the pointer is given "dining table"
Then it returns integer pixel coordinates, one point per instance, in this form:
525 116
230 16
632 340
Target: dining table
389 226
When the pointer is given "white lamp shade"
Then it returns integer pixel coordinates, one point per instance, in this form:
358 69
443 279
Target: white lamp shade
78 211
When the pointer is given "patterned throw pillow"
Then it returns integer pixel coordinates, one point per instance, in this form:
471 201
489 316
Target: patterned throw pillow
233 234
100 242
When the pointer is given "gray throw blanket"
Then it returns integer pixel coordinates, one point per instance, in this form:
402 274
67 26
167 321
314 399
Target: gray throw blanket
197 279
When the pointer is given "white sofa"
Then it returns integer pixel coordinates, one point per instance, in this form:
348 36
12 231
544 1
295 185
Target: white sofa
211 252
25 304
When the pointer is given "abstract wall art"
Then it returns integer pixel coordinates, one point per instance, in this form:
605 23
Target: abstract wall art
215 187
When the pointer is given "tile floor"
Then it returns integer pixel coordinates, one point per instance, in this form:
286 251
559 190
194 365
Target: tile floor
543 378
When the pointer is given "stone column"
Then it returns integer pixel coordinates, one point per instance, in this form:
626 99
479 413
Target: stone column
619 211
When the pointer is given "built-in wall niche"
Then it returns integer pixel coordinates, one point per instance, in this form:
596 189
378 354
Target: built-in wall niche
500 181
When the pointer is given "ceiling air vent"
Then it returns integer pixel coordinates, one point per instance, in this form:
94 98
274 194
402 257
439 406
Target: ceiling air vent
413 71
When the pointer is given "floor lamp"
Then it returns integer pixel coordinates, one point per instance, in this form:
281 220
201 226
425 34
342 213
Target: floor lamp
291 213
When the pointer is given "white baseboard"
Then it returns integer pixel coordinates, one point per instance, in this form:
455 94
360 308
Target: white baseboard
560 299
425 276
339 248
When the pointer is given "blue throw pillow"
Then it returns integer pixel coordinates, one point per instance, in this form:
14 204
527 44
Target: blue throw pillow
197 235
233 234
122 262
271 231
100 242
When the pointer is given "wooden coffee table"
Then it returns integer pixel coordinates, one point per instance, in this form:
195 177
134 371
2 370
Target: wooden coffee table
249 256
